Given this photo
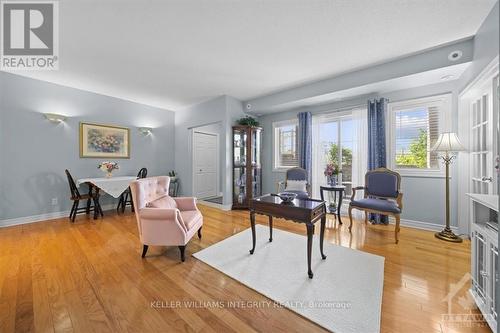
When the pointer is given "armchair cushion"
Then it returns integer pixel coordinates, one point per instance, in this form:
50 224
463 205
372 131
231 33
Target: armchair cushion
163 202
190 218
377 204
186 203
158 213
296 185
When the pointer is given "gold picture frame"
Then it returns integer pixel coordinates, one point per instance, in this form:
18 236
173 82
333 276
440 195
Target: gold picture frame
104 141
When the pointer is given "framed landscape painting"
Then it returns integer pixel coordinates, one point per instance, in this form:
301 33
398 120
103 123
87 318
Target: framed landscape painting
104 141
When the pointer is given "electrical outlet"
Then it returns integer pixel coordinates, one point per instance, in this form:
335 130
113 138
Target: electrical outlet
54 201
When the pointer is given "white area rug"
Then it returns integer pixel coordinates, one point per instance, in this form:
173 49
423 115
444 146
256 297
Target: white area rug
345 294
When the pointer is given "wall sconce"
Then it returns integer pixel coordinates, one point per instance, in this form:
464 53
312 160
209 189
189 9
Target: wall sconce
145 130
54 117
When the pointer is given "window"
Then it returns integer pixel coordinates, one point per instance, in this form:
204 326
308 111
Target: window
285 144
413 128
333 143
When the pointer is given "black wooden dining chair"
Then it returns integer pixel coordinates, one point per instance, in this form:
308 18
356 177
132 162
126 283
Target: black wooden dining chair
76 197
126 197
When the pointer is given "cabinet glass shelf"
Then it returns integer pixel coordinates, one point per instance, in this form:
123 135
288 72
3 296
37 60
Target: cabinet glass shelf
247 168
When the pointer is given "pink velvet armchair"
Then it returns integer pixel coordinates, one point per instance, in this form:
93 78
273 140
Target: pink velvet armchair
161 219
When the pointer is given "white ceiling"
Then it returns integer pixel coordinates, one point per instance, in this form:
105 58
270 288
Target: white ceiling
172 54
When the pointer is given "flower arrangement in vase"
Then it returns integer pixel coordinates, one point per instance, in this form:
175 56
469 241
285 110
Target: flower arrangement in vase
331 172
108 167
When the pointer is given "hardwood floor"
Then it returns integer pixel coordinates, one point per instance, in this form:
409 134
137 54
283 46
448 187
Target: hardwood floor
89 277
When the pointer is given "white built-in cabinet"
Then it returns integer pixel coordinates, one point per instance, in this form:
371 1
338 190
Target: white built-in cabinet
478 183
484 259
478 114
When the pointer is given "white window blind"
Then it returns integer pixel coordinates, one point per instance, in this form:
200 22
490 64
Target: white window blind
285 144
413 128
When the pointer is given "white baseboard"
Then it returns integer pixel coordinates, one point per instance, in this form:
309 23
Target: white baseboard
214 205
422 225
409 223
56 215
44 217
34 218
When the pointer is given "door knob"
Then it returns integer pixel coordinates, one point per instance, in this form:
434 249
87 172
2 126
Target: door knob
489 179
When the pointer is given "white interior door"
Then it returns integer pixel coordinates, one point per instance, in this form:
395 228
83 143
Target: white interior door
482 140
205 158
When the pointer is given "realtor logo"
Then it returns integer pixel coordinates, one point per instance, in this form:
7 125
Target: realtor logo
29 35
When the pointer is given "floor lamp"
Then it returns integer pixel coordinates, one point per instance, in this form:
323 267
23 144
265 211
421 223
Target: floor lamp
448 145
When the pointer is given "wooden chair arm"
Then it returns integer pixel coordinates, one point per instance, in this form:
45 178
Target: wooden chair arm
399 201
354 189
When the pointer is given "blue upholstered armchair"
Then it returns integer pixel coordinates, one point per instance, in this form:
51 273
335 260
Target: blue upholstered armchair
381 196
298 184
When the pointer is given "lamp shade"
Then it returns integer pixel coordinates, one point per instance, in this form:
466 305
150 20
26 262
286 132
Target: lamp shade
448 142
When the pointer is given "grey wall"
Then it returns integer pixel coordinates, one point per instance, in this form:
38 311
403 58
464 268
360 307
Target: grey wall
35 152
2 143
224 110
486 46
210 112
269 176
423 196
217 128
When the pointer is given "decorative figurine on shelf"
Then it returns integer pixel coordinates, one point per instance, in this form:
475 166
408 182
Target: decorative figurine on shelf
331 172
108 167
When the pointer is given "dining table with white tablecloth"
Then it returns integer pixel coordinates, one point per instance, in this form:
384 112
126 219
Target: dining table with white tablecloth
113 186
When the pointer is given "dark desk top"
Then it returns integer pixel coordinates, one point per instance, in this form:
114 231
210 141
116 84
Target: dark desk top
296 203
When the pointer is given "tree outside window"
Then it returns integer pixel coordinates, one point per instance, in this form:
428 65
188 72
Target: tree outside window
416 131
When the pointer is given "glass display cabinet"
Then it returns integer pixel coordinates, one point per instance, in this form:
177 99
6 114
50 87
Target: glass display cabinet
484 255
247 169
